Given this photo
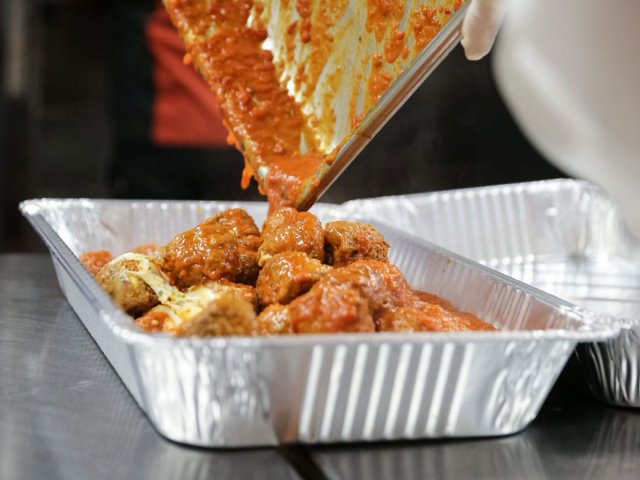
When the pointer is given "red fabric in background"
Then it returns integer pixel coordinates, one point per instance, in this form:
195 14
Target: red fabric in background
184 109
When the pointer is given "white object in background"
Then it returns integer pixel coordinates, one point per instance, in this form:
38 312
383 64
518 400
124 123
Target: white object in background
570 73
481 24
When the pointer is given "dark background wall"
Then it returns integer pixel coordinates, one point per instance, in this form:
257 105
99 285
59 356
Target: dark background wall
56 130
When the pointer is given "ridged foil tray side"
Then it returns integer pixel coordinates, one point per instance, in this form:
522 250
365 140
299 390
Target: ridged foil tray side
612 368
562 236
231 392
508 224
347 392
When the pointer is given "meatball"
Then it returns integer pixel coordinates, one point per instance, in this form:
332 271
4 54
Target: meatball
288 275
427 318
247 292
346 242
347 299
351 298
94 261
150 249
249 268
194 300
207 252
181 307
430 317
326 309
237 220
288 230
126 279
277 219
249 241
274 320
382 284
155 320
229 314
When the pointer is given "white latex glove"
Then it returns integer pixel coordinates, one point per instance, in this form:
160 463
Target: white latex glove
480 26
571 80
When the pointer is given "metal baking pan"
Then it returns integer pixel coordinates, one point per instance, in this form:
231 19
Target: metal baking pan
249 391
562 236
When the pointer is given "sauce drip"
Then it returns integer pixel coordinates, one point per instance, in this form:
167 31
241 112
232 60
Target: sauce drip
286 178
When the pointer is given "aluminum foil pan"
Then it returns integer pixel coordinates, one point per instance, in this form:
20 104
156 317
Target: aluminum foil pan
562 236
231 392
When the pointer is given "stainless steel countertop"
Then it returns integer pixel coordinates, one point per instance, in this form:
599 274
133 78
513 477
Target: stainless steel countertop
65 415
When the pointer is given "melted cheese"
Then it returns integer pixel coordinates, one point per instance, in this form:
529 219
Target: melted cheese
180 306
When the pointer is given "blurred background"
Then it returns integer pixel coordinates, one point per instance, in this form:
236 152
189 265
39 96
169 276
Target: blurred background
95 102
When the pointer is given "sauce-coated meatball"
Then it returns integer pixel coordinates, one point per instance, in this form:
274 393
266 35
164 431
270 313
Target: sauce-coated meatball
207 252
288 275
249 241
346 242
288 230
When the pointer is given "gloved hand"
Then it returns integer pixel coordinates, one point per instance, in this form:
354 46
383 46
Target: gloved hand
480 26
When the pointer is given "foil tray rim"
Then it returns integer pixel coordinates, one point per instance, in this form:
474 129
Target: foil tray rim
597 328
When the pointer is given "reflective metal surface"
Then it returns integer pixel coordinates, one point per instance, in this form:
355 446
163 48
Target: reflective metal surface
570 439
64 414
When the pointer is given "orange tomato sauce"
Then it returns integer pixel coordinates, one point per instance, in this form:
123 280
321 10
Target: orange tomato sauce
468 319
265 122
94 261
152 321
